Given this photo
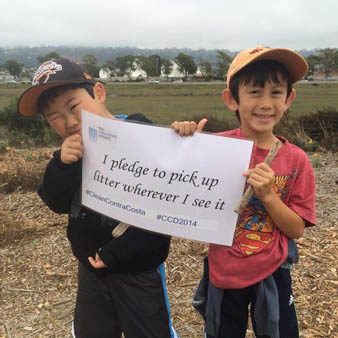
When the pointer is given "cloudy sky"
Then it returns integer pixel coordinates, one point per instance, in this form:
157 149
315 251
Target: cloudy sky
209 24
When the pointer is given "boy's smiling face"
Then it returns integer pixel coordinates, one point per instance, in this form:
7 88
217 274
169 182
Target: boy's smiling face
64 113
260 108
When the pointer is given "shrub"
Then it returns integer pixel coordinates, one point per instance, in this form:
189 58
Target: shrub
291 128
322 127
312 131
214 124
21 131
14 121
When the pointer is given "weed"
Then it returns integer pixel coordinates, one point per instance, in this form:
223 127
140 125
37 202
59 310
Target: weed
315 160
4 147
29 157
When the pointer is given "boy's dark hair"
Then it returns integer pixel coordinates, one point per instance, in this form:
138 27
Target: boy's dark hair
51 94
258 73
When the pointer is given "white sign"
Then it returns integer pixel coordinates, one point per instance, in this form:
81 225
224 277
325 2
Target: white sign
152 178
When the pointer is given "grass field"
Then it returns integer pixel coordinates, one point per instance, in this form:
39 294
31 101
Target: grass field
164 103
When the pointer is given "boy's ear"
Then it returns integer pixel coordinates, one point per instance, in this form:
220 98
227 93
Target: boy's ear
290 98
229 100
100 92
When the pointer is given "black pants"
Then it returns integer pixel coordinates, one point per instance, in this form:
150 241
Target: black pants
235 304
130 303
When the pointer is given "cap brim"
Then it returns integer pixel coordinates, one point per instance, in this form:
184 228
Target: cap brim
294 62
28 101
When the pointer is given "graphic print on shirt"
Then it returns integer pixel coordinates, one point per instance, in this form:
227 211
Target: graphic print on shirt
255 228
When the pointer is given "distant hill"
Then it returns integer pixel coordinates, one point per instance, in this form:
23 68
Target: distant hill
28 55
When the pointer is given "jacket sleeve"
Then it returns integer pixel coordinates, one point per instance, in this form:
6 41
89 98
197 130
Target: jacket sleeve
60 183
137 247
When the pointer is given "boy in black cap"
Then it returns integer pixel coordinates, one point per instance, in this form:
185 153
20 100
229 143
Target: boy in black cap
121 284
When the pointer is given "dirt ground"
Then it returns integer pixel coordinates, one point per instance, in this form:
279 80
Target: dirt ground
38 271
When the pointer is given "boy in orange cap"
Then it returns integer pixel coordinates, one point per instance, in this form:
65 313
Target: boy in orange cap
255 269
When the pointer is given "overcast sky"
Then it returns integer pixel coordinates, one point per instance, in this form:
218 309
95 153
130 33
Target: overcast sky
209 24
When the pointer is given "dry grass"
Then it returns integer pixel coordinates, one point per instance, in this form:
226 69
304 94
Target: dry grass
38 271
22 169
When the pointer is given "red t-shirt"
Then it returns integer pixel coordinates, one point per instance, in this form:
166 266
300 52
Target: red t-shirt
259 247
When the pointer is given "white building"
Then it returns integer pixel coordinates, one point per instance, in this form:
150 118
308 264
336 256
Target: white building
137 74
105 73
199 73
175 72
5 76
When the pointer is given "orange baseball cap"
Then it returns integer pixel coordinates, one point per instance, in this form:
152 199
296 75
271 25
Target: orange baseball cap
294 62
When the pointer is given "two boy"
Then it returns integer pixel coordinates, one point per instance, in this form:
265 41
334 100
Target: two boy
255 269
120 279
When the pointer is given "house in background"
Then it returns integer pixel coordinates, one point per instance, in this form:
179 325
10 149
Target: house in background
5 76
138 74
175 73
319 74
199 73
105 74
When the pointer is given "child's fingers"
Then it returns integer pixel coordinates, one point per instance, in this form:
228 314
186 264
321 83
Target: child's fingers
75 146
201 124
91 260
72 149
260 178
75 138
248 172
76 152
94 263
174 126
193 127
254 178
69 158
262 168
181 128
184 128
189 127
70 155
97 263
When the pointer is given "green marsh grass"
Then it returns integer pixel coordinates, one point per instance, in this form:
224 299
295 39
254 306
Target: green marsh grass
164 103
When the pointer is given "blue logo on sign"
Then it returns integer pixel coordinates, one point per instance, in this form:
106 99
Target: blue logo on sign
93 134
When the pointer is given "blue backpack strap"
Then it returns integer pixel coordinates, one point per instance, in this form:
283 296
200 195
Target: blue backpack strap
121 116
161 271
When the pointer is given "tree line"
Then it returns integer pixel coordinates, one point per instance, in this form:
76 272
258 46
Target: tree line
324 60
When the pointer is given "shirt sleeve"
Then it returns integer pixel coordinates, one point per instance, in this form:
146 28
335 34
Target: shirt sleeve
135 246
303 196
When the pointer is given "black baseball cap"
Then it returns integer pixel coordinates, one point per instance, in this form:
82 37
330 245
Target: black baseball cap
52 73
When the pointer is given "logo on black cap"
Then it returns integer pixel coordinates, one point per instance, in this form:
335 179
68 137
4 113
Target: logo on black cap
47 68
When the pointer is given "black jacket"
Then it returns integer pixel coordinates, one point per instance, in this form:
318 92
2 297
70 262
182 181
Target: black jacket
90 232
